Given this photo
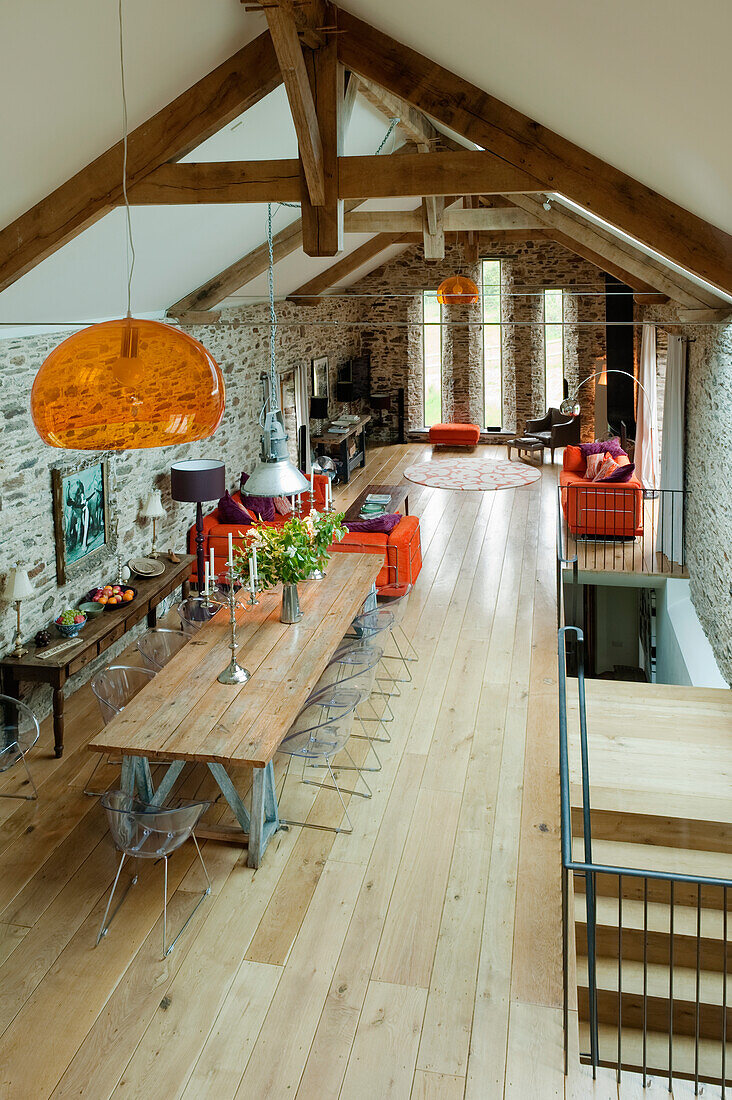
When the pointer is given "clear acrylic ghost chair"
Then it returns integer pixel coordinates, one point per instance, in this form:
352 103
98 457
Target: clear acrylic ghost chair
19 731
350 678
321 730
113 688
395 598
197 610
365 629
146 831
159 645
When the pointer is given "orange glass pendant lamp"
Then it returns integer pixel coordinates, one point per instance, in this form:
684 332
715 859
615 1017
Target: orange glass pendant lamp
457 290
126 385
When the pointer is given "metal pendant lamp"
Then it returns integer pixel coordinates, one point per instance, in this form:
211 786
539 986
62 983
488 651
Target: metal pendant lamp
274 475
129 383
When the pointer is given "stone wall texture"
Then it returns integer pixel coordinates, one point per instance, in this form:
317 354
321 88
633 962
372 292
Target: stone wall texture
708 473
528 267
240 345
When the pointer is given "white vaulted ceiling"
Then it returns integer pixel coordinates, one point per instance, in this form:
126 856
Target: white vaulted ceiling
644 85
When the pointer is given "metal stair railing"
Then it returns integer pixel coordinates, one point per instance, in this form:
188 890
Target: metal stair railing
706 888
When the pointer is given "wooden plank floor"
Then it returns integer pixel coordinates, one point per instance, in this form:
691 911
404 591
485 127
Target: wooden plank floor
419 957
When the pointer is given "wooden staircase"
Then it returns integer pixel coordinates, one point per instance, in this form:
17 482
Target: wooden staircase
670 954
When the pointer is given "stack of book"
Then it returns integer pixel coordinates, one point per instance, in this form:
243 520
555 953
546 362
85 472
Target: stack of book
375 504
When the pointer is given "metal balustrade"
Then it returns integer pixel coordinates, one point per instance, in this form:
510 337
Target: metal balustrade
684 1019
619 528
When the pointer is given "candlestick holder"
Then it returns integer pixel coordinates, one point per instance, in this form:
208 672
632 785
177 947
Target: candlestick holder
233 673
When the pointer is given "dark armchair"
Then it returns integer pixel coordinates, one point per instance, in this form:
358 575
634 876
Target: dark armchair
554 430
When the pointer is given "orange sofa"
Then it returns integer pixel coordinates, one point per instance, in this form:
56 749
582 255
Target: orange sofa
401 550
455 435
604 509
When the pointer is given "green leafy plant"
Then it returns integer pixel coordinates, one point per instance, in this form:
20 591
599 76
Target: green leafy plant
289 553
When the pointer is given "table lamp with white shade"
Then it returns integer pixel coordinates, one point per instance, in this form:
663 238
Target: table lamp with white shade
18 587
154 510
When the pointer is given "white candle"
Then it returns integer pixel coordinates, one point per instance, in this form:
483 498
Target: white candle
231 550
327 495
213 567
252 588
312 482
206 581
254 556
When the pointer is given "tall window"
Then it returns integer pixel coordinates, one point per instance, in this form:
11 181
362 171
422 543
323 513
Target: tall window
432 357
492 340
554 347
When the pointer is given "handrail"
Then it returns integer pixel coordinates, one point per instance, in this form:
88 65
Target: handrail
590 870
565 807
562 560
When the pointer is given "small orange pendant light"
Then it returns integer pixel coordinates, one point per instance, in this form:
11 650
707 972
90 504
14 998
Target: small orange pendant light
127 384
457 290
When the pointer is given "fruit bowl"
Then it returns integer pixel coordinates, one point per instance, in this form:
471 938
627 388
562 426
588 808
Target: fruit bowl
112 596
72 626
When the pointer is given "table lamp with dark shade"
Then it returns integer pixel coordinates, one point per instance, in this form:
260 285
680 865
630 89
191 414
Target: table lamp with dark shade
344 391
319 412
193 481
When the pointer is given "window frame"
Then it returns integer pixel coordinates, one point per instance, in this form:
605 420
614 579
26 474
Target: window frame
492 324
425 326
553 324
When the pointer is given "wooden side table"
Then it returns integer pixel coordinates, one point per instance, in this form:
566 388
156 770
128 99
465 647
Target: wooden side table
340 440
525 446
97 636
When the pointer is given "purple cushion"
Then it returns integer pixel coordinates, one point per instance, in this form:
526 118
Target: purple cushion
609 446
379 525
623 473
231 511
261 506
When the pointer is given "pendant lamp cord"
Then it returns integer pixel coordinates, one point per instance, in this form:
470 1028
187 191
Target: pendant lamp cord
130 242
271 402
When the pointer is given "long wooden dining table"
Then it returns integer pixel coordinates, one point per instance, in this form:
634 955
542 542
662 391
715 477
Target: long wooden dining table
184 715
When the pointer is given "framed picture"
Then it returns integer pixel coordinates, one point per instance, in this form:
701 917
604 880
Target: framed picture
80 516
319 369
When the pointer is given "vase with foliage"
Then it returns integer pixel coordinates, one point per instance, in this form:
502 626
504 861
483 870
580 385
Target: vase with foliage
289 553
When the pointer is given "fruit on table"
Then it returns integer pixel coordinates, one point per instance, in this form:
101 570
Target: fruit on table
71 616
112 594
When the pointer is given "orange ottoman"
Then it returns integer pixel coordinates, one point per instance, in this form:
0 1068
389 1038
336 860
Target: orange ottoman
455 435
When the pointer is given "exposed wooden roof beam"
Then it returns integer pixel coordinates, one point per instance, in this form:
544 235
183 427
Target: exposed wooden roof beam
307 293
705 316
322 226
195 115
609 249
359 178
282 27
550 159
309 17
453 220
431 216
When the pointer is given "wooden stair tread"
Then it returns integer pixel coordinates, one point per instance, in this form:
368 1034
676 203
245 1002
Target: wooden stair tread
710 991
657 857
657 1054
606 915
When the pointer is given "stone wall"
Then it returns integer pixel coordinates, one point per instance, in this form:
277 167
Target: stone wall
394 341
708 471
240 344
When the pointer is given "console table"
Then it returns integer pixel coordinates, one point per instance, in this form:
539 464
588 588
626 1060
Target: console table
340 440
98 635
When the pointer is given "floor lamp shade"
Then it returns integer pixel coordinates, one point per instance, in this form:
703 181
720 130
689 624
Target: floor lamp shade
127 384
193 481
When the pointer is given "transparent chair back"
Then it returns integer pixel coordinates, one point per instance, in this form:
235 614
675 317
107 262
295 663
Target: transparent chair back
197 610
146 831
116 685
322 729
351 675
159 645
19 731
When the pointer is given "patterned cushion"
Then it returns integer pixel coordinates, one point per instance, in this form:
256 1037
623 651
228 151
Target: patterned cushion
594 462
607 467
620 473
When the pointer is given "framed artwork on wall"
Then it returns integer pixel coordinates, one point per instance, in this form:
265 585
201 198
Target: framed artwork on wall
80 516
319 369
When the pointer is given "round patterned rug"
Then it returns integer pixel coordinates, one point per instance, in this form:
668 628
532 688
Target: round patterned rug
471 473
